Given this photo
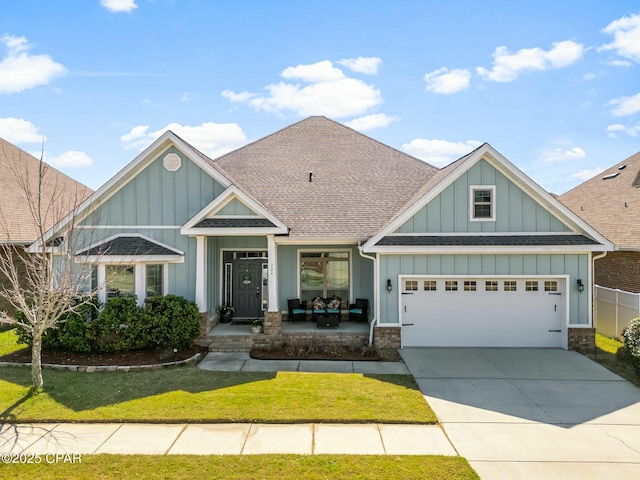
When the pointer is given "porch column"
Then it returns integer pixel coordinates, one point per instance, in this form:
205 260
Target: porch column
201 273
272 254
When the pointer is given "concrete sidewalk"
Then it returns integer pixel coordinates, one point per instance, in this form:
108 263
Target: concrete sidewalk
242 362
224 439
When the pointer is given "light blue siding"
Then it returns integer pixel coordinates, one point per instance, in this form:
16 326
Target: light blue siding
236 207
449 212
574 265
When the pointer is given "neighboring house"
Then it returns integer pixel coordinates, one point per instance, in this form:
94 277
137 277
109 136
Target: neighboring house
474 254
25 181
610 202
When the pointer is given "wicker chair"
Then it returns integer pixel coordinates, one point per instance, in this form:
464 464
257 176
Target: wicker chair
359 311
297 310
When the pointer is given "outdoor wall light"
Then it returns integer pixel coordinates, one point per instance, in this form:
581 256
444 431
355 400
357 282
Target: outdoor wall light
580 285
389 287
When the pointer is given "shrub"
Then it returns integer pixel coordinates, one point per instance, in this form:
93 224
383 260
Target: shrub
175 321
631 336
121 326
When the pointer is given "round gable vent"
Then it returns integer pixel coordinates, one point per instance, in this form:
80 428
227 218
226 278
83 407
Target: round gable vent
172 162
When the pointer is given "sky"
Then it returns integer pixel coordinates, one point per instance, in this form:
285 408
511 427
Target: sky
552 85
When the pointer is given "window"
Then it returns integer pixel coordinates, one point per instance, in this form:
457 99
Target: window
470 286
324 274
120 280
482 203
411 285
490 286
551 286
510 286
531 286
451 286
430 286
154 284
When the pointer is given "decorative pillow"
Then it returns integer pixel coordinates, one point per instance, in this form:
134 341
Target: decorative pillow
318 304
334 304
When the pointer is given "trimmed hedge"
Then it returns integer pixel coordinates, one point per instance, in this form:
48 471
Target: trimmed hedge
631 336
163 322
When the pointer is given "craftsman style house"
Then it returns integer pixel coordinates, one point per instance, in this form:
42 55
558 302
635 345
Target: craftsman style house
474 254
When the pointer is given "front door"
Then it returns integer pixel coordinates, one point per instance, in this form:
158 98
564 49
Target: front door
248 291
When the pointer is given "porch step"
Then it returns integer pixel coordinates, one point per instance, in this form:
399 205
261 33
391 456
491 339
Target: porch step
232 343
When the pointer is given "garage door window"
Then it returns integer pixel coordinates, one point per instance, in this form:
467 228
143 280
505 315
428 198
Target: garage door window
411 285
531 286
451 286
510 286
470 286
551 286
430 285
491 286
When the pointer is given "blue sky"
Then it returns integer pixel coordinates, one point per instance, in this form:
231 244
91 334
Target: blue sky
553 85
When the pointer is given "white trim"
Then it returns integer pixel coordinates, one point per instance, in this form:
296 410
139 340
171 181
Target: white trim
272 262
286 240
139 279
128 173
201 273
566 293
130 259
220 202
489 249
127 227
504 166
472 203
482 234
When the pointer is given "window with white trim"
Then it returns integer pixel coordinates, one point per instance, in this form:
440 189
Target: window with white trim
531 286
154 284
470 286
120 280
482 203
324 274
411 285
510 286
491 286
451 286
430 286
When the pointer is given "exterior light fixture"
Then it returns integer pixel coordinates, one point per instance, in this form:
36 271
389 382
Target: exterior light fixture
389 286
580 285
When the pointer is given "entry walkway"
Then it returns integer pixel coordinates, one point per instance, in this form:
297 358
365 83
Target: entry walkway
223 439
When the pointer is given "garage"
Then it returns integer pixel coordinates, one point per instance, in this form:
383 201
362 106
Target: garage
483 311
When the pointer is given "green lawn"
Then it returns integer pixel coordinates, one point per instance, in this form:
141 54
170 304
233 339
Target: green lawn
8 342
605 355
255 467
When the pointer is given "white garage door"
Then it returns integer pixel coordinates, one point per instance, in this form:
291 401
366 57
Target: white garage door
483 312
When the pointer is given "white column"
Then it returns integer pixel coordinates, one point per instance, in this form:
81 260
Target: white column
201 273
272 253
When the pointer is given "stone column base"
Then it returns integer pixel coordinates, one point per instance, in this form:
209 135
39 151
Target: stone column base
206 324
272 323
582 339
387 337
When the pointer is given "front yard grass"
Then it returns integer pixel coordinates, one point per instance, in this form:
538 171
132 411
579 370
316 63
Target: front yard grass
606 355
233 467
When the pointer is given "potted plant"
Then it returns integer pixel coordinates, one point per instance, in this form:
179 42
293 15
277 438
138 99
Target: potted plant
226 313
257 326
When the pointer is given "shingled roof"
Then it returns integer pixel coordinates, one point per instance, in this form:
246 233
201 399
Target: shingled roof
357 183
18 182
610 202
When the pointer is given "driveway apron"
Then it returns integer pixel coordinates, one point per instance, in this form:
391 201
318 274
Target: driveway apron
531 413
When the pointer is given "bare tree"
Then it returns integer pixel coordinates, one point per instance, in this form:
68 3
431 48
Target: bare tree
43 282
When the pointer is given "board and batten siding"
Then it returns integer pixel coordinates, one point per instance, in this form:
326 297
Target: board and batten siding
156 196
236 208
574 265
449 212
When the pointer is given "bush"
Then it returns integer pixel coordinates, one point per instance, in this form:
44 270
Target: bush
631 336
121 326
175 321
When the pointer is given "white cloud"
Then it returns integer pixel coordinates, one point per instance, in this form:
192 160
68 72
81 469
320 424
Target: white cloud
327 92
619 63
117 6
614 129
17 130
20 71
447 81
70 159
368 65
370 122
625 106
507 66
213 139
439 152
560 155
187 97
586 174
626 37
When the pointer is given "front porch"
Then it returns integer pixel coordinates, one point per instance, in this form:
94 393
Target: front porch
236 337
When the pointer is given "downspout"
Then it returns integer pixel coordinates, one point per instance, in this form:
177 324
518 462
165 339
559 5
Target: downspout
593 286
374 320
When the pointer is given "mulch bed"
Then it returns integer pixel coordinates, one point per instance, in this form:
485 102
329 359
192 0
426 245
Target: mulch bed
334 353
141 357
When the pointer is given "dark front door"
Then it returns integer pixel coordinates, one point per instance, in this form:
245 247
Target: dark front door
247 287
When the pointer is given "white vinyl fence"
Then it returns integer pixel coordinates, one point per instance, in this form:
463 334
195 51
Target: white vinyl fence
614 309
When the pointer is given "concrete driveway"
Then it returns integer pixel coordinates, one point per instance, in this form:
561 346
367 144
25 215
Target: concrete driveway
532 413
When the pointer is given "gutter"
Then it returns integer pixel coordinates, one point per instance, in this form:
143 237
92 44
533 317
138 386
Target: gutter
374 320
